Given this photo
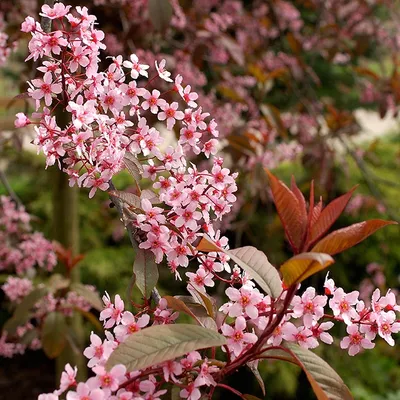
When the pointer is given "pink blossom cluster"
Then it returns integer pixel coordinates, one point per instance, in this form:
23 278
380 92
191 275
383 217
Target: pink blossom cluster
22 250
106 123
28 254
248 315
16 289
118 383
6 47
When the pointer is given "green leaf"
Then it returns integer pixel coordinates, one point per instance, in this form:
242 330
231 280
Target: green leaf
256 264
160 14
22 312
326 383
146 272
54 334
92 297
160 343
57 282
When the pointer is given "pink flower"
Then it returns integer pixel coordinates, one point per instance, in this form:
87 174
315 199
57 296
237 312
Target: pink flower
341 305
59 10
136 68
329 286
110 380
152 101
152 215
98 352
355 341
158 244
162 72
112 312
68 378
387 326
187 217
200 279
21 121
319 331
17 288
243 301
129 325
191 392
302 335
309 306
86 391
237 339
44 88
53 43
170 113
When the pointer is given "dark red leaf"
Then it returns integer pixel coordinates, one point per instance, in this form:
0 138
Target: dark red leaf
329 215
289 210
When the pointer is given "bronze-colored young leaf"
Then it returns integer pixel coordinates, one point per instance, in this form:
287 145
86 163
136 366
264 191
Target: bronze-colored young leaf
343 239
206 245
205 300
303 265
326 383
256 264
329 215
289 210
146 272
160 14
54 334
92 297
179 305
159 343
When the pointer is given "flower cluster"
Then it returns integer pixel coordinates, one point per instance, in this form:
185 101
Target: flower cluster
190 372
6 48
22 250
28 254
106 123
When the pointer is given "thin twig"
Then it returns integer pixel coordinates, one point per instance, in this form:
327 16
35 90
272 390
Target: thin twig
9 189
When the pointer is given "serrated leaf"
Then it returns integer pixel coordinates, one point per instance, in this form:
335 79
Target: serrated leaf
133 166
344 238
160 343
22 312
160 14
146 272
329 215
326 383
303 265
127 197
204 299
92 297
256 264
179 305
57 282
150 195
54 334
198 310
289 210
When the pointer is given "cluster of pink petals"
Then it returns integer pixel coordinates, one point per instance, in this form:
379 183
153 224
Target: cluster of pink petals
21 250
118 383
111 113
